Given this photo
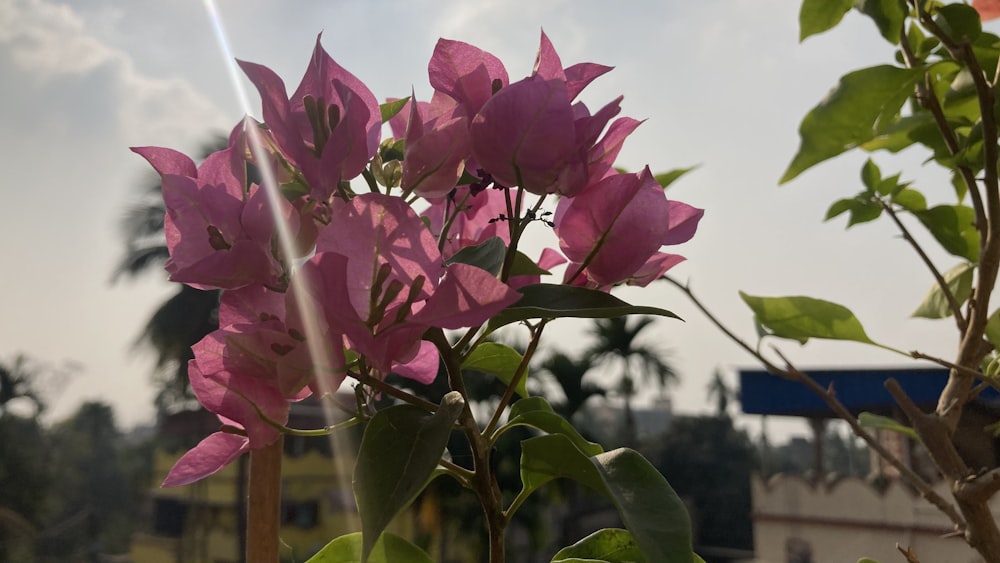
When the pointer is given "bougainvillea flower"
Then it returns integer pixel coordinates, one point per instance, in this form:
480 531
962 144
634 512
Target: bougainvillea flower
328 129
577 77
232 398
988 9
466 74
218 231
385 285
531 134
613 231
435 151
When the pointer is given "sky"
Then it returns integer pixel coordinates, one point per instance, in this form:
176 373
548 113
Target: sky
722 84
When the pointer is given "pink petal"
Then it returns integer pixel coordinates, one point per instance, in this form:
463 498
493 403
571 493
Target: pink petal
465 297
167 161
465 73
580 75
423 368
525 134
656 266
683 222
383 230
208 457
547 63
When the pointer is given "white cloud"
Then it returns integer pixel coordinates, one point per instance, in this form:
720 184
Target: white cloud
49 41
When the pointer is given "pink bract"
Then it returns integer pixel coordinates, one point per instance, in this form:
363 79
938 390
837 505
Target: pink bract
330 126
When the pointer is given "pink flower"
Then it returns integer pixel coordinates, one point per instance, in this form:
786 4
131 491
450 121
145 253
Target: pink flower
466 74
531 134
219 231
613 231
385 284
437 146
328 129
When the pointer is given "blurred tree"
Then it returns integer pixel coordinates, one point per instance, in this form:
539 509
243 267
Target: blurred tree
182 320
721 393
568 374
96 488
708 462
616 345
24 463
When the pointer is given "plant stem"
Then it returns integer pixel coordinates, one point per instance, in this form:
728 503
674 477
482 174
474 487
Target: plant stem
264 503
483 480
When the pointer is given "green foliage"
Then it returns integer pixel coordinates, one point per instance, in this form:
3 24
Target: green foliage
611 545
398 454
537 413
649 507
801 318
959 282
869 420
817 16
389 548
666 178
487 255
389 110
551 301
888 15
857 110
954 228
959 21
497 360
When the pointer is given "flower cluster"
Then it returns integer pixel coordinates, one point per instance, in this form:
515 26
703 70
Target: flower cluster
363 275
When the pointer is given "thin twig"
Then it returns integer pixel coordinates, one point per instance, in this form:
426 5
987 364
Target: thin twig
792 373
953 304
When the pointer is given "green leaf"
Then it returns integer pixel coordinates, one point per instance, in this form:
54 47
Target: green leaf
862 210
487 255
801 318
888 15
959 21
871 176
293 190
817 16
905 131
612 545
910 200
537 413
864 103
959 281
954 227
867 560
390 548
390 109
648 506
399 451
499 360
525 266
552 301
888 185
666 178
869 420
865 211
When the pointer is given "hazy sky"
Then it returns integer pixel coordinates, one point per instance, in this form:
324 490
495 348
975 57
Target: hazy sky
722 83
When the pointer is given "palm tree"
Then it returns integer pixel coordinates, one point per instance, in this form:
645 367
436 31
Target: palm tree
721 393
182 320
616 344
568 374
